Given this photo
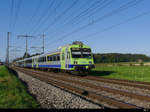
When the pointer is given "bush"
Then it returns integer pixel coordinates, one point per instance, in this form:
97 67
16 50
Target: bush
141 64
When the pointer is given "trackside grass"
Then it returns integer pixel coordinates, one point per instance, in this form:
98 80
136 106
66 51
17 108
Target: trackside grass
13 94
138 73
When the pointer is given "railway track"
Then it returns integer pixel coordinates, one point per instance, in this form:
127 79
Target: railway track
142 85
92 86
136 84
86 90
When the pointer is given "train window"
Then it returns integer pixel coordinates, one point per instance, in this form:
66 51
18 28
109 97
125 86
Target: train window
29 61
58 58
44 59
54 58
49 58
39 59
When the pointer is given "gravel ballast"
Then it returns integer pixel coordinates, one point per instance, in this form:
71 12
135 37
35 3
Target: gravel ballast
52 97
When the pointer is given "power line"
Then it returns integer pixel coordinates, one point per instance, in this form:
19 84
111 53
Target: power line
61 15
17 13
60 3
96 9
114 12
11 14
118 24
47 18
86 12
45 12
77 17
35 12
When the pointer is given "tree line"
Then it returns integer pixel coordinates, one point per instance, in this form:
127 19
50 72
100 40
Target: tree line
118 57
110 57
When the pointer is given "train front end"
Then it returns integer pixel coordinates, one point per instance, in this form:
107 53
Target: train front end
81 58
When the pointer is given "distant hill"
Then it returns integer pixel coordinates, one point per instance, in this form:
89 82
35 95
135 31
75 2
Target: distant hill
118 57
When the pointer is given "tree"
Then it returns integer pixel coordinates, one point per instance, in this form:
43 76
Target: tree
26 55
118 57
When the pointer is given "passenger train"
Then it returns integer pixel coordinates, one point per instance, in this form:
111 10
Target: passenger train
72 57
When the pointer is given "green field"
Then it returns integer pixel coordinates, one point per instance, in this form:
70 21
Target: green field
13 93
138 73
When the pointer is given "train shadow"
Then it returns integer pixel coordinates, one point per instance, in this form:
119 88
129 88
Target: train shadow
100 73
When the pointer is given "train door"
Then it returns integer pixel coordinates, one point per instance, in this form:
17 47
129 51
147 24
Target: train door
32 62
63 54
67 59
66 65
37 61
24 63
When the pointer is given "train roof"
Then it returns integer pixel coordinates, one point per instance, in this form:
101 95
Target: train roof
58 50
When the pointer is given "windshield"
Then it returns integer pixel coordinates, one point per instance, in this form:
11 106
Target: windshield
81 52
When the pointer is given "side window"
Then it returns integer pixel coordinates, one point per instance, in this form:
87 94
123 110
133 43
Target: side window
44 59
49 58
39 59
54 57
58 58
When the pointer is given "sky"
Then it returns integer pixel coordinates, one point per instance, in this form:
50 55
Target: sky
107 26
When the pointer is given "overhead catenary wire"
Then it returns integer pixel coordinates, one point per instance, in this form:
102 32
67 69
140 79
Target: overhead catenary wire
34 15
61 15
47 18
78 16
86 13
114 12
96 10
65 19
118 24
17 13
45 12
11 13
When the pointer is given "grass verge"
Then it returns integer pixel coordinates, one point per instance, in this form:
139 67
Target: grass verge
13 93
137 73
